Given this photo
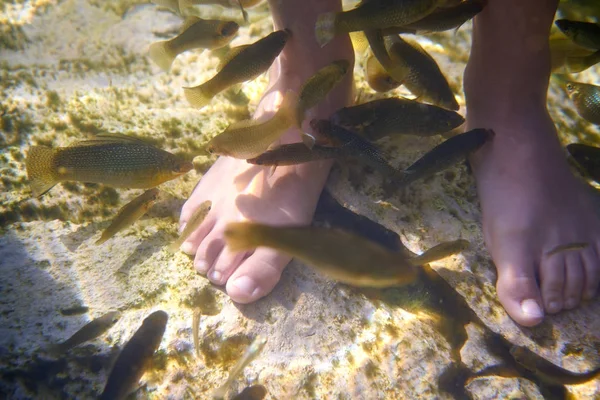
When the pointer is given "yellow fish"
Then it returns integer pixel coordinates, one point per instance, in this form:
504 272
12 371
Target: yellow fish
377 77
192 224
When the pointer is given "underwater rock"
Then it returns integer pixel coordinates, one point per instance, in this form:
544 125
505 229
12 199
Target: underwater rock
489 388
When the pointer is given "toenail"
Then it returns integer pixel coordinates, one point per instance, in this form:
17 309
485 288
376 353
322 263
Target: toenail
246 285
215 276
187 248
532 309
570 303
201 266
554 306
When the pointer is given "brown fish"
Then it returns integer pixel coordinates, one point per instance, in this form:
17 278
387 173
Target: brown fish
567 247
586 98
113 160
135 357
297 153
588 157
192 224
377 77
392 116
130 213
246 65
398 71
200 34
584 34
338 254
89 331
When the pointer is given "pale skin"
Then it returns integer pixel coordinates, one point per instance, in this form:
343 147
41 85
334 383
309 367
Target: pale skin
530 200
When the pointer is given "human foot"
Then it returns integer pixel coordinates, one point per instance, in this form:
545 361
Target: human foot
240 191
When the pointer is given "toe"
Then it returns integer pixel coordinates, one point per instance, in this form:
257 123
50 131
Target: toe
574 278
192 242
208 251
256 276
552 282
591 264
517 286
224 266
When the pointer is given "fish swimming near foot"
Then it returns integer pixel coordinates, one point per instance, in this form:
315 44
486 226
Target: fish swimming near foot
130 213
336 253
446 154
584 34
587 157
396 116
586 98
247 64
378 78
398 71
200 33
192 224
567 247
372 14
298 153
250 138
89 331
113 160
250 355
135 357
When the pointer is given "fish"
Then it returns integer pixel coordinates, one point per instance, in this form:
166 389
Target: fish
89 331
549 372
442 19
195 327
563 51
575 63
372 14
567 247
588 157
201 33
192 224
359 41
246 65
398 71
392 116
586 98
250 138
184 4
297 153
316 88
130 213
377 77
338 254
425 80
446 154
135 357
584 34
250 355
254 392
364 150
111 159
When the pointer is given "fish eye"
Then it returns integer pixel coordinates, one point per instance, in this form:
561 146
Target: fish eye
229 29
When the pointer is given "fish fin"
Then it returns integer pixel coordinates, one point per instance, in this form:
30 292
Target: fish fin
241 236
39 164
234 51
189 20
160 54
244 13
325 28
185 5
440 251
197 96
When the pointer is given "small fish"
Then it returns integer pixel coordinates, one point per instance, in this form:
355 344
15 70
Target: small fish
251 353
130 213
446 154
576 64
588 157
195 327
255 392
391 116
372 14
113 160
398 71
586 99
316 88
250 138
585 34
425 80
296 153
377 77
246 65
567 247
563 51
135 357
364 150
89 331
342 256
201 33
442 19
547 371
192 224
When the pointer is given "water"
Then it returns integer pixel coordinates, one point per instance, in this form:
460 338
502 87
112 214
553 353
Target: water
77 67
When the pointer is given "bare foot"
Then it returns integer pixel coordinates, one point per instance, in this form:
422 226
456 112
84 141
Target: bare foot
241 191
530 201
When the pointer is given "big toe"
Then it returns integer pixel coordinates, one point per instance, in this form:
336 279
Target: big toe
517 286
256 276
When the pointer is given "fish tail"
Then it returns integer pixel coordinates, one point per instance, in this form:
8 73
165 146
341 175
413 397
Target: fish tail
325 28
161 55
198 96
102 239
40 160
241 236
